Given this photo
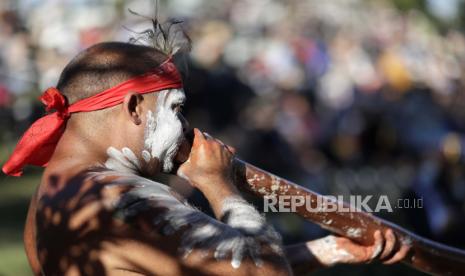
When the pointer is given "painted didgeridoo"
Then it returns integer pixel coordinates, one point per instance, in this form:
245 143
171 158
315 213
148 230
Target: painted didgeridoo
425 255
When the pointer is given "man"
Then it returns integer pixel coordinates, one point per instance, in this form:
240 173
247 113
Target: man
117 124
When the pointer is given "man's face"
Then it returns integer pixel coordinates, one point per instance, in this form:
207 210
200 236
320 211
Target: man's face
165 128
160 139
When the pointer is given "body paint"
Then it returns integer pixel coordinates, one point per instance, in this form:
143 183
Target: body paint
122 161
242 234
162 138
240 215
354 232
327 251
164 129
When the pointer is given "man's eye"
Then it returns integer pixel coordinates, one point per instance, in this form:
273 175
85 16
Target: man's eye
178 108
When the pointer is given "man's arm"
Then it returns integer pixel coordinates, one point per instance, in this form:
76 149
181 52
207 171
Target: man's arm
238 241
209 169
188 240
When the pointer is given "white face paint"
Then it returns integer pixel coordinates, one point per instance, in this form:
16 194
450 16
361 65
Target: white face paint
164 130
163 136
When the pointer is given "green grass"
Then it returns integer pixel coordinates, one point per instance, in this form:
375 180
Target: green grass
15 194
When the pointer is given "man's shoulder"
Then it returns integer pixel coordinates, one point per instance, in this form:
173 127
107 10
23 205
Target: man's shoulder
94 192
122 190
100 211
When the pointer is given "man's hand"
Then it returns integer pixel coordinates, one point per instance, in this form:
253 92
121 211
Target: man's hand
210 162
210 168
333 250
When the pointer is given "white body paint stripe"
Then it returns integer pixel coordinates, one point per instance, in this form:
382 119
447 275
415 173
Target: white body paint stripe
243 233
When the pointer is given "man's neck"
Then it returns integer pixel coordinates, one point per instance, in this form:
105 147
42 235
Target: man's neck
75 153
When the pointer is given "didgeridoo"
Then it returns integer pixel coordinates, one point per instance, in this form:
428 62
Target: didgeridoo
426 255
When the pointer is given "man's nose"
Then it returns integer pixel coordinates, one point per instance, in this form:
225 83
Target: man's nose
185 124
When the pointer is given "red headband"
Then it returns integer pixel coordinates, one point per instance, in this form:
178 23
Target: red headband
39 141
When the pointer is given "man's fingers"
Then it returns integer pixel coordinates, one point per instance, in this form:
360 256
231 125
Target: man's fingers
220 142
207 136
377 247
231 149
198 137
399 256
389 244
204 136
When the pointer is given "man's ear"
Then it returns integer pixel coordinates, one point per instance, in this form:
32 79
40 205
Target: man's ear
132 106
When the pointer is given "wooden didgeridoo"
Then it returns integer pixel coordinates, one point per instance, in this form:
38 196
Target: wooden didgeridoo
426 255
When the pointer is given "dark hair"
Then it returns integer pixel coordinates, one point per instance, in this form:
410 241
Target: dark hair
104 65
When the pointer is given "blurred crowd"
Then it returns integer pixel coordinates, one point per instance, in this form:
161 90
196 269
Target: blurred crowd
344 97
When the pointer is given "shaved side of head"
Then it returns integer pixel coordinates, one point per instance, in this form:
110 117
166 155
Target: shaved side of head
105 65
97 69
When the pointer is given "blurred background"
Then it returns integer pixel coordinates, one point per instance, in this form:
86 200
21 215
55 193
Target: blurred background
344 97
